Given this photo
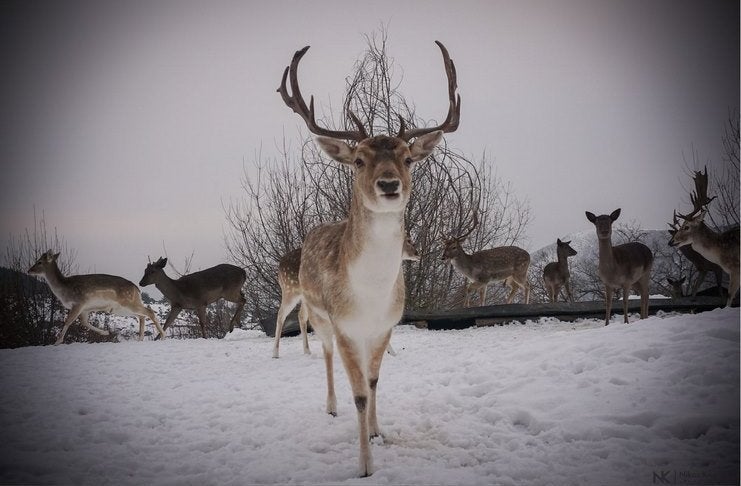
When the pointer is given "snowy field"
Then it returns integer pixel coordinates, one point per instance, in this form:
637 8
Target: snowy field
653 402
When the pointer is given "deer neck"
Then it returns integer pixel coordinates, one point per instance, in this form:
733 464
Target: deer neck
464 263
167 286
705 242
606 255
55 279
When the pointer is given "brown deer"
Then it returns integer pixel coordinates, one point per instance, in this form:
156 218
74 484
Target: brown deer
351 275
83 294
677 287
702 264
623 266
288 268
556 274
508 264
719 248
197 290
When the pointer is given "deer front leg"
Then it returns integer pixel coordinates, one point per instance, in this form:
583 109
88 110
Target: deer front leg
355 367
377 352
241 301
608 304
568 291
74 312
287 303
174 311
700 279
626 294
303 318
201 312
733 285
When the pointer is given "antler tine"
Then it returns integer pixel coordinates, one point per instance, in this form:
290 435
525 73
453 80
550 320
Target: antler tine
473 226
296 102
452 120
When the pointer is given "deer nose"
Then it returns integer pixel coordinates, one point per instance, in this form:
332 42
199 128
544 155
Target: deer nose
388 186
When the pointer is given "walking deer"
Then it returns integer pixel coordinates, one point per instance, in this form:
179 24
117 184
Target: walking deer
508 264
719 248
197 290
702 264
351 276
83 294
288 269
627 266
556 274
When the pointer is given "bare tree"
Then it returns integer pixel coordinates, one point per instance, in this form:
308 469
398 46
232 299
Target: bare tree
286 197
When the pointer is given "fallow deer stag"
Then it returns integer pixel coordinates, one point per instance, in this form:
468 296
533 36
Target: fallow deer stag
351 275
197 290
290 291
719 248
627 266
702 264
508 264
83 294
556 274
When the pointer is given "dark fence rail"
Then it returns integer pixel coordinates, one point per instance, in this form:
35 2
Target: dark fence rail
500 314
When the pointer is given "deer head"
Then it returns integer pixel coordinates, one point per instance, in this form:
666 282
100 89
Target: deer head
603 223
151 271
682 234
452 246
45 262
382 163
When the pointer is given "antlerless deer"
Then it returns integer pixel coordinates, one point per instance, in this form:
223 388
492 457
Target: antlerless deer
197 290
83 294
350 277
627 266
556 274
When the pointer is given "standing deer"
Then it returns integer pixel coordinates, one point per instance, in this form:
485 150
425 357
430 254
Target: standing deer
83 294
288 268
623 266
351 276
556 274
702 264
677 287
197 290
508 264
719 248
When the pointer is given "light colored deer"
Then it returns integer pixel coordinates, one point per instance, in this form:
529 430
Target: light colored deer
719 248
556 274
508 264
627 266
288 268
83 294
702 264
351 275
197 290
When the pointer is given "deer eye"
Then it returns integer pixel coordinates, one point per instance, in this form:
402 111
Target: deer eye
408 162
359 163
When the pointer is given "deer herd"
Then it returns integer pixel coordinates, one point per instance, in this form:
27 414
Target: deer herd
348 275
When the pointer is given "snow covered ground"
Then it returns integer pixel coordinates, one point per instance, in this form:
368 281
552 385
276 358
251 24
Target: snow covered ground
543 403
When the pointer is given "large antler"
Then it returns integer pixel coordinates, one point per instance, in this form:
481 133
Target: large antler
699 196
454 110
297 104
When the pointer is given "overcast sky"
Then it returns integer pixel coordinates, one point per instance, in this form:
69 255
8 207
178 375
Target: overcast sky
130 123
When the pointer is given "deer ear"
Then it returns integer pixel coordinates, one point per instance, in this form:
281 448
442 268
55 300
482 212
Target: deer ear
558 241
423 145
337 149
161 262
615 214
590 216
54 257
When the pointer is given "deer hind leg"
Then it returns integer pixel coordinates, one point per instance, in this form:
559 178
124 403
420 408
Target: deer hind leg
323 330
626 295
356 363
482 294
241 300
733 285
644 285
201 312
303 317
608 304
287 303
377 352
86 323
148 312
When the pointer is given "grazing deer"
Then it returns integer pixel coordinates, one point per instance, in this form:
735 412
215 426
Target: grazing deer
719 248
623 266
702 264
351 276
288 268
83 294
197 290
556 274
508 264
677 287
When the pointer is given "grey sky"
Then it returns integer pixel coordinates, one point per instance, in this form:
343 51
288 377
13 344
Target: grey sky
128 123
